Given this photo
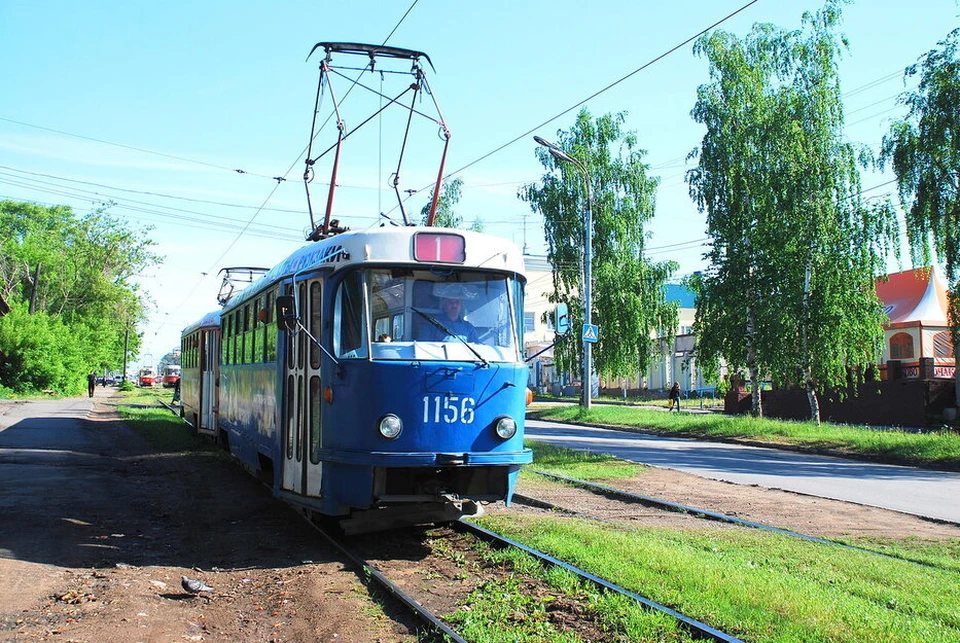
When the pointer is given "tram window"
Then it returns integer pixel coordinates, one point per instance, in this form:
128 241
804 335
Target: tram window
301 339
398 326
301 420
381 328
315 420
289 412
271 343
349 329
268 310
269 330
314 322
256 334
225 356
248 334
233 338
290 337
232 349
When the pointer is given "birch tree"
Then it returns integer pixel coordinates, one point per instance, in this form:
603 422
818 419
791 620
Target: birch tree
795 251
629 304
924 151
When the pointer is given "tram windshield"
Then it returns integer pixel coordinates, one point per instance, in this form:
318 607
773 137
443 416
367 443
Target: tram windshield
410 314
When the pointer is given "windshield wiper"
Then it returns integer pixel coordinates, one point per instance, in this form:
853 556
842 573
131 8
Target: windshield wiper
436 322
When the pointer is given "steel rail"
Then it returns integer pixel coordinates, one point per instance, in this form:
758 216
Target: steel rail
411 603
692 625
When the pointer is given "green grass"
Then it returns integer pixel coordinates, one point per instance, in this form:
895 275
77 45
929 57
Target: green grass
944 554
166 432
521 614
584 465
758 586
938 449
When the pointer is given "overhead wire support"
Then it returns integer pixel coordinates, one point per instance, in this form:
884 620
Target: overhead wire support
416 87
327 72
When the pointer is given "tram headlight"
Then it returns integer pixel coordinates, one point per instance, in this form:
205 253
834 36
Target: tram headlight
390 426
506 427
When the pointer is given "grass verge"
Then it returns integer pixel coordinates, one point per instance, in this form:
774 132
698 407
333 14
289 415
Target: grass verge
584 465
167 433
939 450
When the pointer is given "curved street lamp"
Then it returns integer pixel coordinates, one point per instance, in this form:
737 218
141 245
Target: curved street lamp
560 155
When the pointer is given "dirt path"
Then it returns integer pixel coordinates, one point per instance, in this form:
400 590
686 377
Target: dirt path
100 558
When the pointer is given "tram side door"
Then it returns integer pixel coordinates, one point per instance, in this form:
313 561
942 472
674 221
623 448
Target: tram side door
301 396
210 346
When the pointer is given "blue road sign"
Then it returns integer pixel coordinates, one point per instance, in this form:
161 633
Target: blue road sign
590 332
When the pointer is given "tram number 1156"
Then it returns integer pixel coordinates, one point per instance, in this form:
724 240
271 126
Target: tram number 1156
448 409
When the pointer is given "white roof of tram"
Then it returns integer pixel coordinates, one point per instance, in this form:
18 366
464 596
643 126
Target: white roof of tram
396 245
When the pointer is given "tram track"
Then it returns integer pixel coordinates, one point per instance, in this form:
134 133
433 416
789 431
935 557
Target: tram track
402 563
628 499
431 621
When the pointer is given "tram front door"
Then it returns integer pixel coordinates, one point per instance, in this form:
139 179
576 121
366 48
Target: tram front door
300 419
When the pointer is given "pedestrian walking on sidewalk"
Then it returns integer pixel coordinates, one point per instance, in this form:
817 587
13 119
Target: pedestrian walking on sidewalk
674 397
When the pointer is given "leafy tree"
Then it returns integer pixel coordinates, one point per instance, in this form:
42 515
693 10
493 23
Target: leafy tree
790 294
628 295
67 280
450 193
924 150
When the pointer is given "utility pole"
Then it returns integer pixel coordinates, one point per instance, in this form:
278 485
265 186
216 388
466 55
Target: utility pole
560 155
126 344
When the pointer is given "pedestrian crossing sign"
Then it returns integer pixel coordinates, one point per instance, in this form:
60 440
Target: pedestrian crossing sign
590 332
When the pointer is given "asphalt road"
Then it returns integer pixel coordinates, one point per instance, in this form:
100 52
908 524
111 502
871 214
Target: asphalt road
933 494
54 468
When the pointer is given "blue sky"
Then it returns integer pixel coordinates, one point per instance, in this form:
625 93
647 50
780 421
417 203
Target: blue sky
152 106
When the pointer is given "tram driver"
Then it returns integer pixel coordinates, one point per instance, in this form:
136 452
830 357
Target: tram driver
451 315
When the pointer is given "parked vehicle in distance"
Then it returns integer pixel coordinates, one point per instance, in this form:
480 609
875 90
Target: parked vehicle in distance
171 375
147 376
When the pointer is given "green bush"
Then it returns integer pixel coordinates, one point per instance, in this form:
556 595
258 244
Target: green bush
40 353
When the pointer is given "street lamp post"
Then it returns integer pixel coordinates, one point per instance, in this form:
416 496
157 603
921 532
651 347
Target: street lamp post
560 155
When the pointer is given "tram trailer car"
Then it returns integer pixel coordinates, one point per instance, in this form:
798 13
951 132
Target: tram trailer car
347 382
199 371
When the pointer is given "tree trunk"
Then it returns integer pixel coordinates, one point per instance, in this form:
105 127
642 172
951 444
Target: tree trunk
812 399
756 401
811 391
33 291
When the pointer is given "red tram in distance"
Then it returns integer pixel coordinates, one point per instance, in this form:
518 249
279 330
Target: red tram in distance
147 376
171 375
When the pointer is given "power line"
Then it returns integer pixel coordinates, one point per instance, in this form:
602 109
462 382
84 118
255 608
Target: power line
604 89
135 149
272 191
163 195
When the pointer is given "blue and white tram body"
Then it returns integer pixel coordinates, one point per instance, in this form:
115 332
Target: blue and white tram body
346 383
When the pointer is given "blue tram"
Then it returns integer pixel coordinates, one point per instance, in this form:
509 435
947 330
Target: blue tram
376 376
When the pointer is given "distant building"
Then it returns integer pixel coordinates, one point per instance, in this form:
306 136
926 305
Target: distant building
678 363
538 323
915 302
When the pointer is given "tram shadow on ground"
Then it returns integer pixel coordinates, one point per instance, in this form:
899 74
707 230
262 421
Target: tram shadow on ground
93 493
